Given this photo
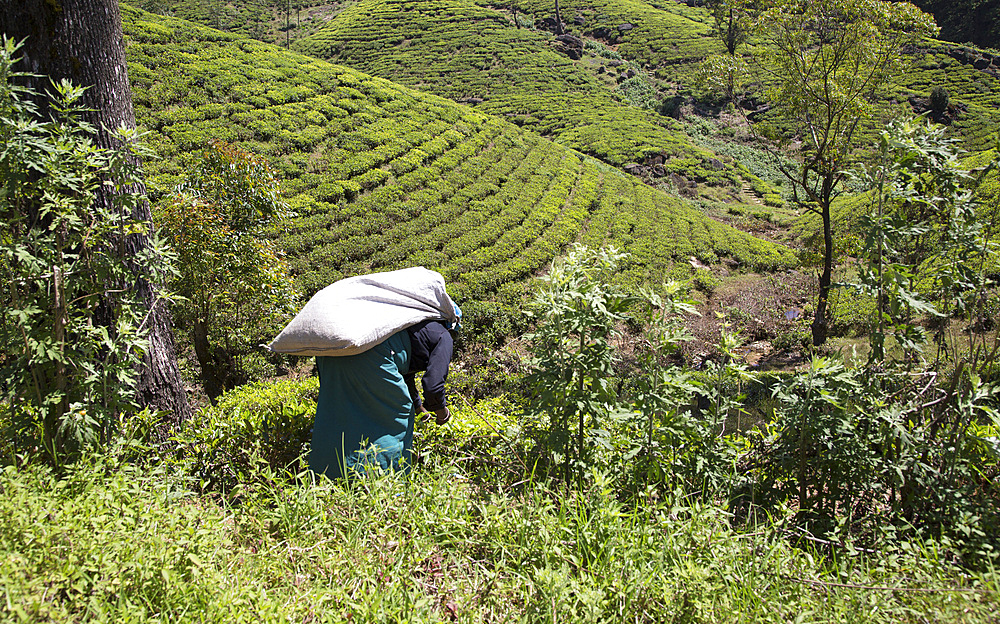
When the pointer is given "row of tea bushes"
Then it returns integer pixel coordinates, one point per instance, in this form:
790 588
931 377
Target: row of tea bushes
381 176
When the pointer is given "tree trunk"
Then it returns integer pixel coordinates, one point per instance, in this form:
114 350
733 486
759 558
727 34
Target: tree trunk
559 22
81 40
217 366
819 324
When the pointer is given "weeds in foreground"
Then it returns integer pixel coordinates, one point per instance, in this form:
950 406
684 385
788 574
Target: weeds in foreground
133 543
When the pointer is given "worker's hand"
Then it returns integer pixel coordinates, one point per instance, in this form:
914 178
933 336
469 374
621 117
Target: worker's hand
442 415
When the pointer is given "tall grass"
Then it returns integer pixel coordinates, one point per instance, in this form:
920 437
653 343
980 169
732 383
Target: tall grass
118 541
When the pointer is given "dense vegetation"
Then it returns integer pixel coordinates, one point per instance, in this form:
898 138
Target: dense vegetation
594 471
505 60
383 177
966 21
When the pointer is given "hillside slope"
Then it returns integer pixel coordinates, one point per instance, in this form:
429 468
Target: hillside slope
669 39
270 21
383 176
467 52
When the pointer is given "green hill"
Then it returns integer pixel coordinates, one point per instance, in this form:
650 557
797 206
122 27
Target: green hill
471 49
271 21
466 52
659 33
383 176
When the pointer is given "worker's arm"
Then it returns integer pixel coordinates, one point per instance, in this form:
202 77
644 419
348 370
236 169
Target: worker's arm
437 372
411 385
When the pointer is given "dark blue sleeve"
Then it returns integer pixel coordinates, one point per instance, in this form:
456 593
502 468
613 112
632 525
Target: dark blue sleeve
411 386
437 369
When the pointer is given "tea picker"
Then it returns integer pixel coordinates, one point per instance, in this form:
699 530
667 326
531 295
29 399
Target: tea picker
370 335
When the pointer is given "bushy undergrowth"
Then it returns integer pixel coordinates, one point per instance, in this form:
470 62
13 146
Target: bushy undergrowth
265 426
136 543
223 523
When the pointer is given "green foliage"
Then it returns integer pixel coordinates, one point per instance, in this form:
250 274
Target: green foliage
816 439
257 428
638 92
827 61
939 99
572 365
664 34
235 283
927 244
72 330
911 161
705 281
488 438
850 454
272 21
667 440
733 22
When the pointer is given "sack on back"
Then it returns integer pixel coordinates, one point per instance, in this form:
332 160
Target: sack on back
357 313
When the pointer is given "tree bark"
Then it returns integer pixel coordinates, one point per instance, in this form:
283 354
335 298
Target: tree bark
82 41
820 327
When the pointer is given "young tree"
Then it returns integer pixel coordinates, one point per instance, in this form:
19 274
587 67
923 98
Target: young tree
236 285
733 21
727 73
827 62
82 41
576 313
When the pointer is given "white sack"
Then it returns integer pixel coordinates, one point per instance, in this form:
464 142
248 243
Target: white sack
357 313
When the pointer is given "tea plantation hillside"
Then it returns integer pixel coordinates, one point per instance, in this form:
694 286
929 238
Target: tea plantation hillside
471 53
669 39
382 176
465 51
662 35
271 21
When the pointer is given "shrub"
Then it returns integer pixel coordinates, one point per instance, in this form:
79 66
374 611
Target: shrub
576 314
939 99
705 281
236 284
68 347
260 424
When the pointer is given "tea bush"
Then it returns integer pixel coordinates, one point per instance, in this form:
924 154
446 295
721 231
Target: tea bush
385 177
251 431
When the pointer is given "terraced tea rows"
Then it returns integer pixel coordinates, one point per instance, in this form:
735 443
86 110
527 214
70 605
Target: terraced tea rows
974 93
383 177
271 21
466 52
658 34
462 50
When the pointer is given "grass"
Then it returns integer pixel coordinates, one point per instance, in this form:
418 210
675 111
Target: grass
138 543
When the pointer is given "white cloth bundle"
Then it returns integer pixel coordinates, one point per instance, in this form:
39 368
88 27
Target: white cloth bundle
357 313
